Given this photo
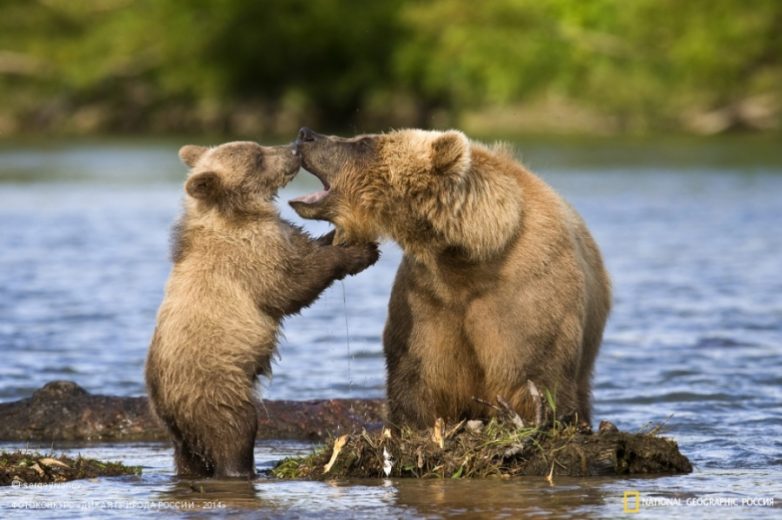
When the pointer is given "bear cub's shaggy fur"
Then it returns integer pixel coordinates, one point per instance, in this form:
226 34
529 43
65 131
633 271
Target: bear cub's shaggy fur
238 270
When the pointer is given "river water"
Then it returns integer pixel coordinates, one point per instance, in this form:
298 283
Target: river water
690 232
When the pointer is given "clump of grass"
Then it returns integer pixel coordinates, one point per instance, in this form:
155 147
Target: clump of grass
25 467
502 447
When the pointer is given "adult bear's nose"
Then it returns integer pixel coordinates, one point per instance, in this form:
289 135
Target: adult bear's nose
306 135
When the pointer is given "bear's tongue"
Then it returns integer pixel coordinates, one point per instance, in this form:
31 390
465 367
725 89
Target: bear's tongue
311 198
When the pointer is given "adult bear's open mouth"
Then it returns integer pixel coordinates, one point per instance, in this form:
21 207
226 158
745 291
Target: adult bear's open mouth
314 198
309 148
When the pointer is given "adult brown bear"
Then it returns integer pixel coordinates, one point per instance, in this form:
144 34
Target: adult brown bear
500 283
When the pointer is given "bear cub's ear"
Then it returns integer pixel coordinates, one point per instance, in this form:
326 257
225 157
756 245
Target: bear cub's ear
204 186
190 153
451 153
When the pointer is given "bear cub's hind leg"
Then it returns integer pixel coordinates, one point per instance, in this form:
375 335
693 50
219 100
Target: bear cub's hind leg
188 463
234 457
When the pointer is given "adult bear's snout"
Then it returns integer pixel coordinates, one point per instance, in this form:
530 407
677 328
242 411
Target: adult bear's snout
306 135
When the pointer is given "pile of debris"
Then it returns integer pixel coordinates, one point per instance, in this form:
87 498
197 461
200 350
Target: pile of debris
502 447
21 467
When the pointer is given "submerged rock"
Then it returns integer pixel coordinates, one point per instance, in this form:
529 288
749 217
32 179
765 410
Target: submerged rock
62 410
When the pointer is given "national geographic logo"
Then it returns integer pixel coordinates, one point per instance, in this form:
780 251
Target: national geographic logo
632 501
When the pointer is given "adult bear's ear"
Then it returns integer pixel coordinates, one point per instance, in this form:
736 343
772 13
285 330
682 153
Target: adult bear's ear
204 186
451 153
190 153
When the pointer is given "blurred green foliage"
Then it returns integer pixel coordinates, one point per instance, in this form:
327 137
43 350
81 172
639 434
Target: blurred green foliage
246 66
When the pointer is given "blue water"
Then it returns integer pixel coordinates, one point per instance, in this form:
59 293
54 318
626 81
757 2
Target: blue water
690 233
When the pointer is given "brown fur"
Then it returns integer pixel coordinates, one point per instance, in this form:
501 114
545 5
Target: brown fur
238 270
501 281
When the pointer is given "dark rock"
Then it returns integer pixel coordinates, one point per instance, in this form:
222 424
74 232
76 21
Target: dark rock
64 411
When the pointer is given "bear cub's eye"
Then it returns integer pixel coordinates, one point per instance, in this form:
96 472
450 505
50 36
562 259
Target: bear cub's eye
259 159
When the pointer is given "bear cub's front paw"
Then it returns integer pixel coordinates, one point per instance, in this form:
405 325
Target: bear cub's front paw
360 257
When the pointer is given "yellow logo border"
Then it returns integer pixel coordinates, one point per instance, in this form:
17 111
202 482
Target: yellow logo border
625 500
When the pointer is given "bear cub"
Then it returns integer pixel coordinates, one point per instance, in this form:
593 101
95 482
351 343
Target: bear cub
238 270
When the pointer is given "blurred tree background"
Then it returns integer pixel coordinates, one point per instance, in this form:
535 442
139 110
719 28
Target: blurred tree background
265 67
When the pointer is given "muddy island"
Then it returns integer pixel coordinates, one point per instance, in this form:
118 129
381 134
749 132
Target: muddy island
497 449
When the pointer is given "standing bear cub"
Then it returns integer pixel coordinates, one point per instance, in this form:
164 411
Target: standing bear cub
501 282
238 270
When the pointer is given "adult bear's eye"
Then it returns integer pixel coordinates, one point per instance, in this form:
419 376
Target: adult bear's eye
365 144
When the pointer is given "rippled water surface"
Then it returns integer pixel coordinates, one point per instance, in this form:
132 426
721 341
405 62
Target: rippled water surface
690 233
